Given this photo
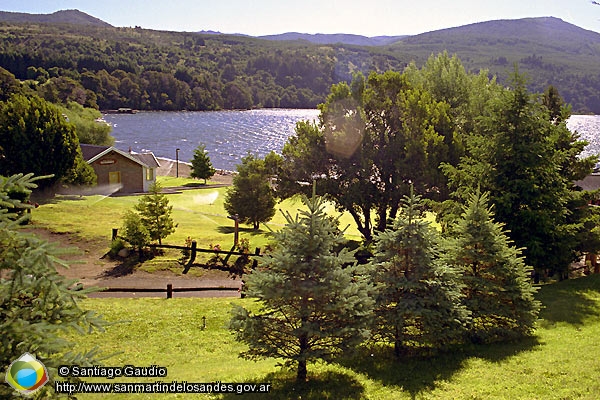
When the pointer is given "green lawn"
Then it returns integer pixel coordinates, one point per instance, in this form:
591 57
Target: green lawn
561 362
199 214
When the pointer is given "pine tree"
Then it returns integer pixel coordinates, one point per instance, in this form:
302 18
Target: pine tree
201 165
37 304
523 154
315 303
155 213
498 289
419 298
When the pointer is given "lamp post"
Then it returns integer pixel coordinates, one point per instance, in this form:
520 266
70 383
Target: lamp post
177 162
236 218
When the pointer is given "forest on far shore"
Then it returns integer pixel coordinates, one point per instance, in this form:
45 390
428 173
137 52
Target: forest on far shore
108 68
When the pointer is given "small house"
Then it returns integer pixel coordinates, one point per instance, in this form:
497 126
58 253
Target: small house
132 172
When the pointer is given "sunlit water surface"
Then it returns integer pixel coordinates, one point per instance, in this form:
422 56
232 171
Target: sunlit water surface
229 135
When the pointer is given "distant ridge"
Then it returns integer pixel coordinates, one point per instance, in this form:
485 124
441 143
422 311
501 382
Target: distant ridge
343 38
539 29
292 70
59 17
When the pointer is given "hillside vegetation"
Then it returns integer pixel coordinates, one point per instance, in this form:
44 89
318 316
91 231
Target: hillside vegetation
152 70
548 50
98 65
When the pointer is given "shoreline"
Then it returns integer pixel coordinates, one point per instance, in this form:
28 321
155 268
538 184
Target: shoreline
168 168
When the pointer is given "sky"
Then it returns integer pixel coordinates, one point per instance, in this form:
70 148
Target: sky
264 17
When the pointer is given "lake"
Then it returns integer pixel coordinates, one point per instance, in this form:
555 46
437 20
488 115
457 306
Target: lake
228 135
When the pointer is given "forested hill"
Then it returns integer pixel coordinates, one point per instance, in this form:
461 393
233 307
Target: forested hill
548 50
155 70
100 65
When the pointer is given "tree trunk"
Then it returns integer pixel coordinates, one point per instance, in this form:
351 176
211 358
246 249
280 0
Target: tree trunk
397 348
303 342
382 223
397 343
301 376
365 228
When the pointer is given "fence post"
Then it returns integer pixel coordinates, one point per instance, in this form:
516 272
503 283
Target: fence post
115 232
169 291
255 262
192 257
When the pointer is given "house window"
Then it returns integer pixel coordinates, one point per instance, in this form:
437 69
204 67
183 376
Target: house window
149 174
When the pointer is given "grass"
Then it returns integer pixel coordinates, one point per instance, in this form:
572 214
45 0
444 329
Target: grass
561 362
198 213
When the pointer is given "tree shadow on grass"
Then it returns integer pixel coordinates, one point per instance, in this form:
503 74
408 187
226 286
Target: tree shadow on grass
230 230
43 200
195 184
569 301
417 374
126 267
328 385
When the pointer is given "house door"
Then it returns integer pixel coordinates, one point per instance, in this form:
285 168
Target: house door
114 178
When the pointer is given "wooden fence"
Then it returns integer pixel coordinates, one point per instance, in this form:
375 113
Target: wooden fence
194 250
170 290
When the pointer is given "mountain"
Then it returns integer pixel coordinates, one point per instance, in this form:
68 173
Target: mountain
148 69
547 50
527 34
339 38
60 17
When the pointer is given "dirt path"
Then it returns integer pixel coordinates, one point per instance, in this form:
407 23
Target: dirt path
91 268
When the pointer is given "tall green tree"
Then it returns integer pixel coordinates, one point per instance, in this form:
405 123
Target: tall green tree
251 196
528 161
374 139
155 213
37 304
497 282
314 302
201 166
419 299
35 138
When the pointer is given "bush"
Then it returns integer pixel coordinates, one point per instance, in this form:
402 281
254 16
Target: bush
115 246
135 233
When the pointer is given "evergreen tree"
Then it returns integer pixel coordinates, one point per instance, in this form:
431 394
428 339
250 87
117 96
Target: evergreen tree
81 173
314 304
251 196
201 166
527 160
497 282
419 298
155 213
37 304
36 139
135 232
